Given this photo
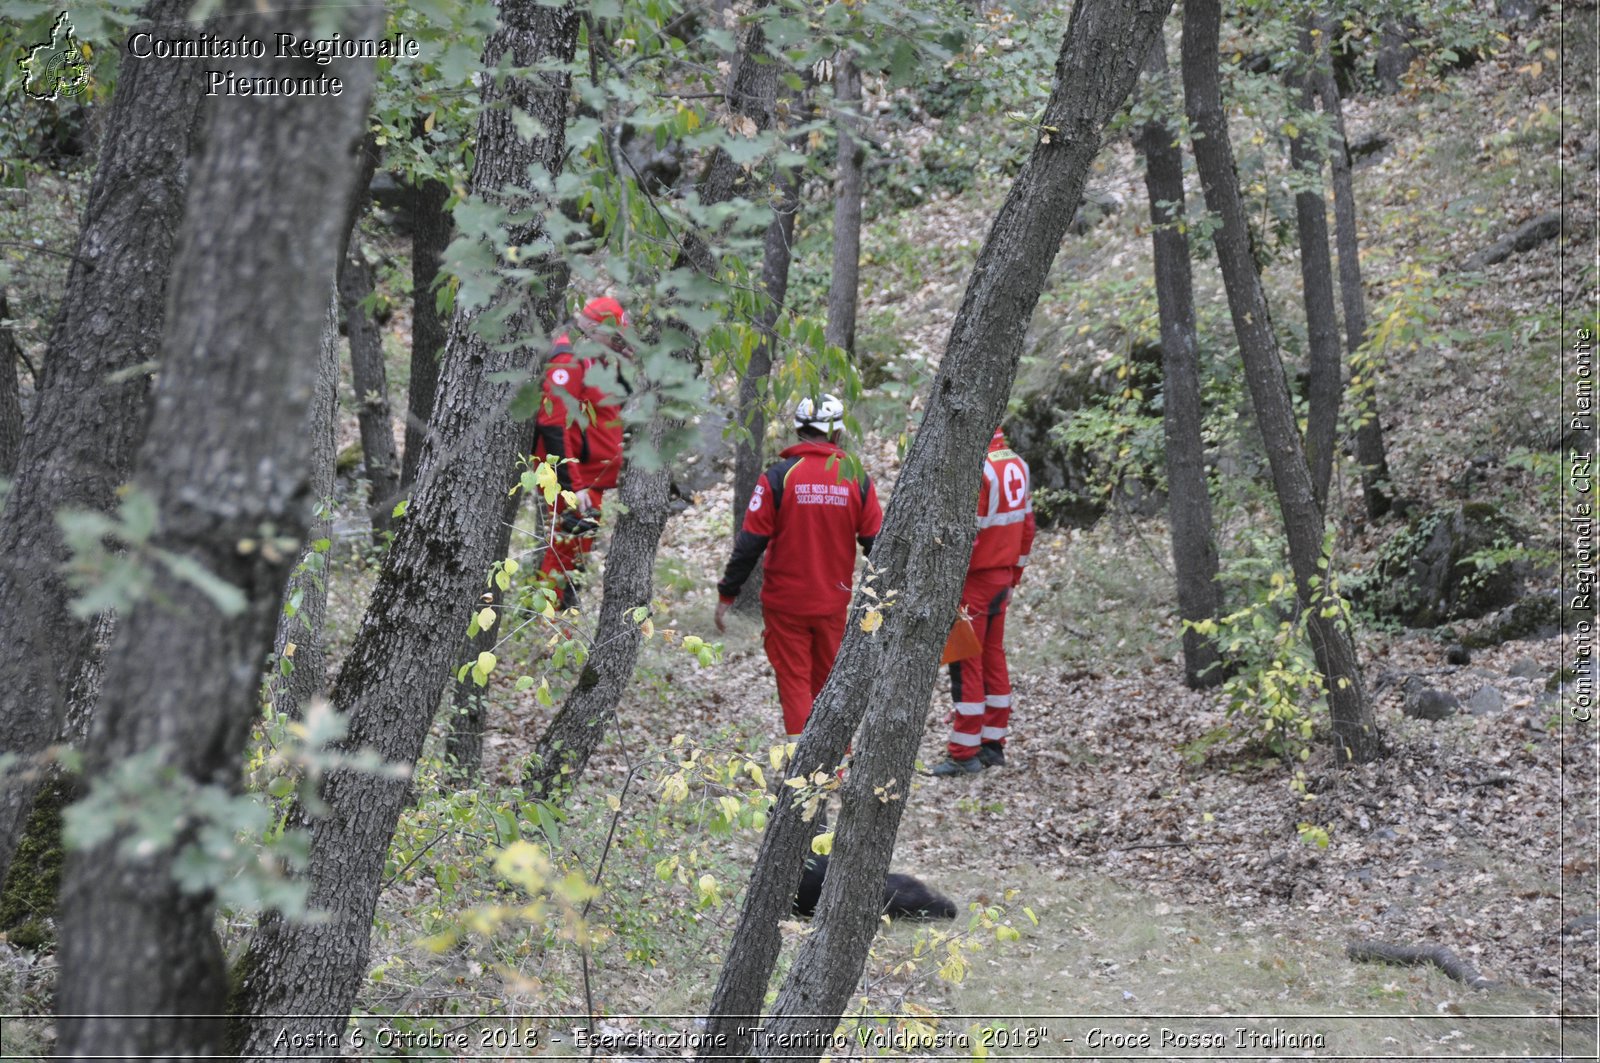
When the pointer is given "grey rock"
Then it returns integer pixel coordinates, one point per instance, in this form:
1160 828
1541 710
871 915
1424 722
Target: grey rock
1423 702
1424 576
1526 668
1485 700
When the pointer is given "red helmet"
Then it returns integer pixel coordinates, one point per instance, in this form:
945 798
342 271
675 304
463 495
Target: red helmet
606 310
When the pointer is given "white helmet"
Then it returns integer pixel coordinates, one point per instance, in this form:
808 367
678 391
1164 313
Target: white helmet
825 415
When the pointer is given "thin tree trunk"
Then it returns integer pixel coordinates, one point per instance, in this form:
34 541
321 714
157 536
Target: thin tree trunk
91 401
372 391
298 653
1316 277
10 395
391 681
845 281
1370 451
430 235
297 649
752 88
1354 729
573 735
1194 547
776 256
225 458
921 553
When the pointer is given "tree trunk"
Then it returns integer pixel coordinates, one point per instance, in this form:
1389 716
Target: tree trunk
10 395
776 255
430 235
752 87
392 679
573 735
91 401
372 392
1370 451
1194 547
922 553
1354 728
1316 277
463 743
298 653
225 465
297 649
845 281
575 732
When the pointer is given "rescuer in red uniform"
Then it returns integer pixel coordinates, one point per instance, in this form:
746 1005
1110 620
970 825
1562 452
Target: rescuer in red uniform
808 518
981 686
580 418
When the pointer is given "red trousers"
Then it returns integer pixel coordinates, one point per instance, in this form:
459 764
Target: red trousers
981 686
801 649
572 535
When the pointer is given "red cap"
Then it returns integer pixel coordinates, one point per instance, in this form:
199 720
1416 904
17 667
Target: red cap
605 309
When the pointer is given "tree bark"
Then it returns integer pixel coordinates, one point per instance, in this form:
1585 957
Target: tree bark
430 235
1194 547
225 463
1370 451
776 256
463 743
752 87
390 684
1355 731
298 653
1316 277
10 395
921 553
91 401
575 733
845 281
372 392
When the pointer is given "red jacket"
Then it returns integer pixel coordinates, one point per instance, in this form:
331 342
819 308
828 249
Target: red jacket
808 519
1005 512
580 417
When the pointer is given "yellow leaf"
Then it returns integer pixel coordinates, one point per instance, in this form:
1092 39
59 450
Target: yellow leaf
613 802
545 476
511 566
872 621
485 618
487 661
822 844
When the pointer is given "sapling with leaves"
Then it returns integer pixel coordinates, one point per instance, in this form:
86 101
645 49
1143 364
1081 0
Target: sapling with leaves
1355 733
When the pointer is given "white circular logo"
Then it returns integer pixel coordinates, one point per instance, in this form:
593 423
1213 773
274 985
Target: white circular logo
1016 486
560 376
755 501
